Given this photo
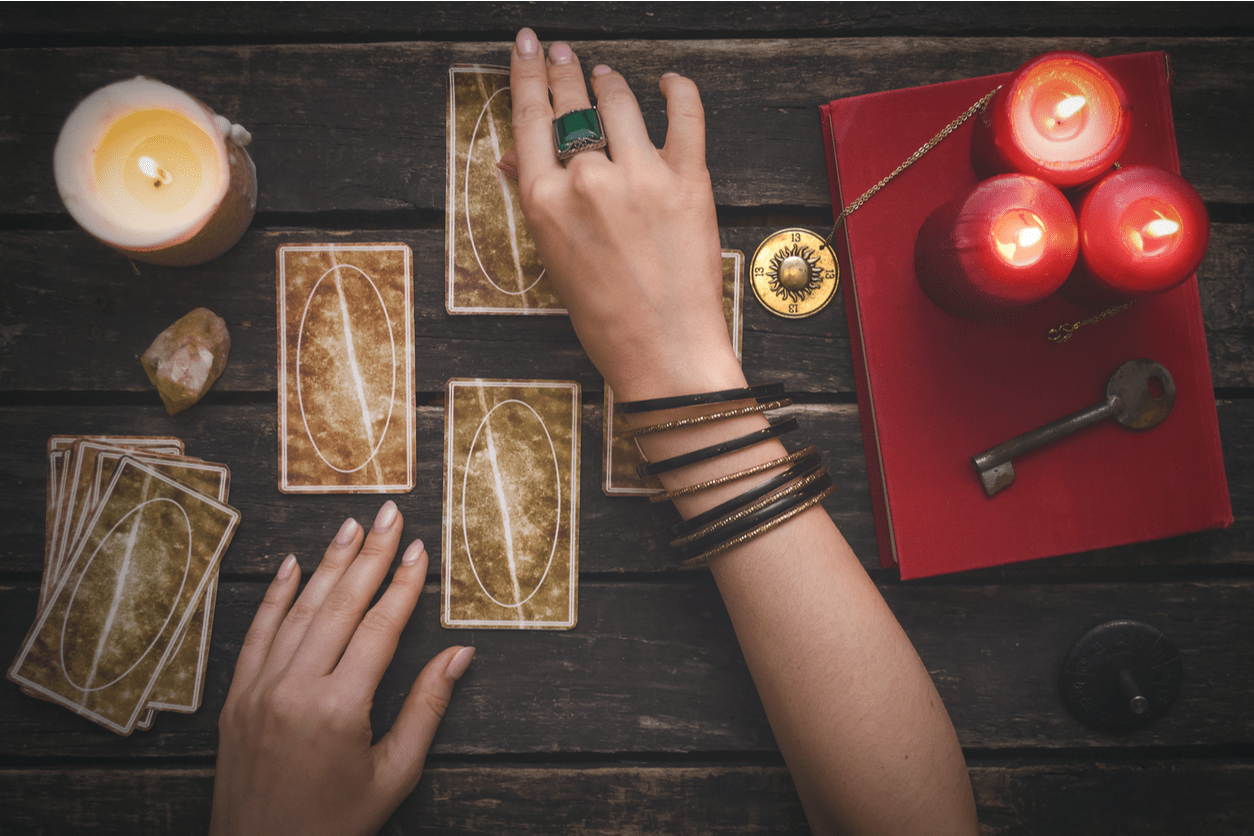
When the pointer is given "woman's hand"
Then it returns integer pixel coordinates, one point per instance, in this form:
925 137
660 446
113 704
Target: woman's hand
294 753
630 239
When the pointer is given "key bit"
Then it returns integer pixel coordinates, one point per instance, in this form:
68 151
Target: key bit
1139 395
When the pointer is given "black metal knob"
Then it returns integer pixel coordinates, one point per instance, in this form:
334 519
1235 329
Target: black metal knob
1121 675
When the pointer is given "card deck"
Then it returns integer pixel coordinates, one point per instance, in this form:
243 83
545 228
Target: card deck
490 257
346 368
110 624
511 504
622 456
79 584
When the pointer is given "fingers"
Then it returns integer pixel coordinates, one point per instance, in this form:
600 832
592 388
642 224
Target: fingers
374 642
685 117
533 117
400 753
620 114
341 611
335 561
566 82
261 633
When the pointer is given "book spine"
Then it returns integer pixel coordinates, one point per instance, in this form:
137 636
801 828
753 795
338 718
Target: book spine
866 408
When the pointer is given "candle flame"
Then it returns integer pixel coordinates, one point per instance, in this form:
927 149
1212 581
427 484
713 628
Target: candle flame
1029 235
1069 107
150 169
1151 233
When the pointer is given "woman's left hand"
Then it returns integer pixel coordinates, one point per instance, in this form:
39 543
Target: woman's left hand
294 753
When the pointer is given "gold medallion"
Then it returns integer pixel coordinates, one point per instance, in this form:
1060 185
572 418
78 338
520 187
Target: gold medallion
794 274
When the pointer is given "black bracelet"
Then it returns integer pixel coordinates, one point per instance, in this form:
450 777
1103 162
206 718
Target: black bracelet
748 440
773 523
751 521
797 471
763 390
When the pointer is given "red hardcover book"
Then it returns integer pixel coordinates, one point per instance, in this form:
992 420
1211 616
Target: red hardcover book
934 390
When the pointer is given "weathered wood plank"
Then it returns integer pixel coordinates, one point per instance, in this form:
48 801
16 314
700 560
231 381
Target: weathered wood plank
994 653
361 127
621 534
138 23
73 306
1070 797
1075 797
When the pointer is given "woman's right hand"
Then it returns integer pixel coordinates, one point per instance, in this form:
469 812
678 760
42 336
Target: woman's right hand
629 239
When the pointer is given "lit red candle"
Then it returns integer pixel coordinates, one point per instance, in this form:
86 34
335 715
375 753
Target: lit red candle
1143 230
1063 118
1010 241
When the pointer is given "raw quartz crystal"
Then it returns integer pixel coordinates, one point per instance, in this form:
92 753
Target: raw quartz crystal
185 360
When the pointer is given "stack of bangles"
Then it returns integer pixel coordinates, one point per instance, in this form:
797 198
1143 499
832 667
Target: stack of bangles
767 505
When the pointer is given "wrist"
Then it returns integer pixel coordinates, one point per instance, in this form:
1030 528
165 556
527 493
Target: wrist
686 373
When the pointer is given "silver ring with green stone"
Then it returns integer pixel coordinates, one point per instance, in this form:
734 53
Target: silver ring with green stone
579 130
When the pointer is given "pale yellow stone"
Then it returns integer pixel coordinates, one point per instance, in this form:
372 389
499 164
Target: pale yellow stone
185 360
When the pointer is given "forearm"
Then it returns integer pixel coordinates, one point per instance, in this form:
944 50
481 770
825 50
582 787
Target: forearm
865 735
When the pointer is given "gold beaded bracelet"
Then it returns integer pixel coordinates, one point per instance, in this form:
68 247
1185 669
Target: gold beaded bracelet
706 556
732 477
705 419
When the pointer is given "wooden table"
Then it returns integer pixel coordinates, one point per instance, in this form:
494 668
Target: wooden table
644 718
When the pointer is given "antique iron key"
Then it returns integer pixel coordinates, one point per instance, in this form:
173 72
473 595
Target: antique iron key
1139 395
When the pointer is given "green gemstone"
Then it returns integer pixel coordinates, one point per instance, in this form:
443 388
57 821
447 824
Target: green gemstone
577 130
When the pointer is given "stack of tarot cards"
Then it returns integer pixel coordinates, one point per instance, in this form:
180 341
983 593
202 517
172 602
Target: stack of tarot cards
135 534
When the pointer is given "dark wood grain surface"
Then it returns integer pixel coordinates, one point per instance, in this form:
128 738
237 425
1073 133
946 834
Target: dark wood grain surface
644 718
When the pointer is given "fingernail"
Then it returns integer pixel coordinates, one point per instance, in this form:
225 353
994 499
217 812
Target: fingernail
285 571
460 662
508 170
600 69
386 515
560 53
527 44
347 532
412 553
670 75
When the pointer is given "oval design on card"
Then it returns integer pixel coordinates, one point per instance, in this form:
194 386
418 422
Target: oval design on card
345 368
117 623
511 503
499 237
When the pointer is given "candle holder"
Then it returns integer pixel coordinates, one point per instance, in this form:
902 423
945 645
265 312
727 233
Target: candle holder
1143 231
1007 243
155 174
1121 675
1063 118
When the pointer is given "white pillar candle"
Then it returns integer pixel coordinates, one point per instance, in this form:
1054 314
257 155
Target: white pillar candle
155 173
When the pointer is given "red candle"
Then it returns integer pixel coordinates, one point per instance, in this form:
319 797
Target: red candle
1143 230
1008 242
1063 118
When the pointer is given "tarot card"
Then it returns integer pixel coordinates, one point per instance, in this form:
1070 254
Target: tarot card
346 368
180 684
80 497
72 493
511 504
110 624
490 257
622 456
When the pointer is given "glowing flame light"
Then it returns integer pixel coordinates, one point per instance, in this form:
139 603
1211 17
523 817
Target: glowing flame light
1029 235
1150 236
1161 228
1069 107
159 175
